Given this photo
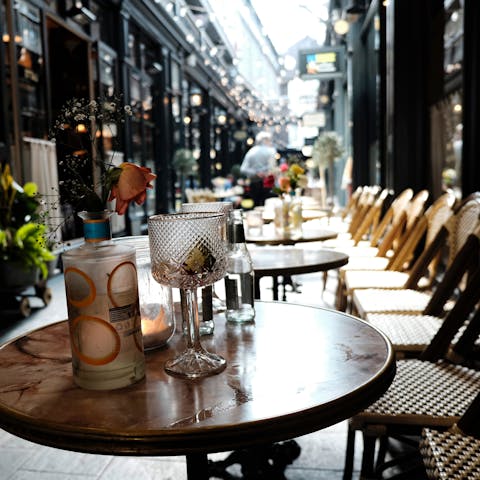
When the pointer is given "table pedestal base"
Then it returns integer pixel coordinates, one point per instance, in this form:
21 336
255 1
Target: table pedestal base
285 280
266 462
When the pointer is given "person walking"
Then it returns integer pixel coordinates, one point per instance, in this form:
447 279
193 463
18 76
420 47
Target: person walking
259 162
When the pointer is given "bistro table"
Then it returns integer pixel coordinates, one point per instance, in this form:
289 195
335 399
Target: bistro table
287 261
307 214
294 371
268 235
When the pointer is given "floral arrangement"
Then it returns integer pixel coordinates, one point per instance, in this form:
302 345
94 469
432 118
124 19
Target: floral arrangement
77 130
290 178
22 234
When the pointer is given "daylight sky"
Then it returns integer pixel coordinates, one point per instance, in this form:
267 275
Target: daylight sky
288 21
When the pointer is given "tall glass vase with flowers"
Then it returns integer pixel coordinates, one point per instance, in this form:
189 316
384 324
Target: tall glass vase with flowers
100 276
288 209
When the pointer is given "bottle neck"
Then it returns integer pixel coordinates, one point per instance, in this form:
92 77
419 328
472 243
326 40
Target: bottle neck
236 234
96 227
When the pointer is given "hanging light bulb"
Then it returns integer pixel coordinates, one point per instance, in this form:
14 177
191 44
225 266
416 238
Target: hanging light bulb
341 26
25 59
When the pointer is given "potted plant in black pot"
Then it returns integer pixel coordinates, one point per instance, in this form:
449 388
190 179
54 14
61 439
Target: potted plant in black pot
24 253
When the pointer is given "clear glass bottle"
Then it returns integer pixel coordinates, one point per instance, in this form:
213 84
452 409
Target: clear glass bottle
103 309
239 280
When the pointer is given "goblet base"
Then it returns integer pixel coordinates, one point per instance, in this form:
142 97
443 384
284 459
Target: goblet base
195 364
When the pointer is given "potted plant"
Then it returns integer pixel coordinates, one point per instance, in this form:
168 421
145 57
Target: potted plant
327 148
184 164
24 253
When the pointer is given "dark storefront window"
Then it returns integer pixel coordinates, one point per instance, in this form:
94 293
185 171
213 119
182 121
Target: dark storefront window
107 71
451 106
195 107
29 65
144 76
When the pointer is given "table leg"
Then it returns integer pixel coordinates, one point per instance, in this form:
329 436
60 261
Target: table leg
197 466
275 287
257 288
264 462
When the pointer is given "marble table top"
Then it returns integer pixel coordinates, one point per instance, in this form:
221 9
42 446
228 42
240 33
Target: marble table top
296 370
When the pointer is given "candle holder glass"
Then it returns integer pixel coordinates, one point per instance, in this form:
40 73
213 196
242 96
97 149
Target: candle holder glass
156 301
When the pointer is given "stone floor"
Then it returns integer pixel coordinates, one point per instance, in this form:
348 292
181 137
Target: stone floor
322 453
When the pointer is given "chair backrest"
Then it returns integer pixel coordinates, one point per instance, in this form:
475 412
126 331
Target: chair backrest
461 224
371 219
427 226
466 263
393 219
412 212
401 258
441 345
364 204
452 234
415 208
352 202
407 226
437 214
400 204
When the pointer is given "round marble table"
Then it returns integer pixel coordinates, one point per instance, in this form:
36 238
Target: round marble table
286 261
307 214
267 235
296 370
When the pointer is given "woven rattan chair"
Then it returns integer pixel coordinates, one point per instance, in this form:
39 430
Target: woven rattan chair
351 204
347 226
391 225
432 391
411 300
450 455
364 225
410 334
399 237
390 234
395 276
454 454
366 222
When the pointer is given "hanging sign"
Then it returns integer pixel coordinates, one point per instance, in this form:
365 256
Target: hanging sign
323 63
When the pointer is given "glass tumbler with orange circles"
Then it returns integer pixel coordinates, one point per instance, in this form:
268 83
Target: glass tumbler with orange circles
103 309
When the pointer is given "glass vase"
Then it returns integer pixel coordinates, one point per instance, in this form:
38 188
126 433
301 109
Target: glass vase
288 215
103 308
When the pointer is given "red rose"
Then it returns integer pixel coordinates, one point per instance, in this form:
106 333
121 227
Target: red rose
269 181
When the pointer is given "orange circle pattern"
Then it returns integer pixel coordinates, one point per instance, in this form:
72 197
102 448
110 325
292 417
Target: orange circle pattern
109 284
93 291
93 360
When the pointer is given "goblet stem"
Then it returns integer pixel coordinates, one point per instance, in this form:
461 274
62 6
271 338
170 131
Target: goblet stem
195 361
189 303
